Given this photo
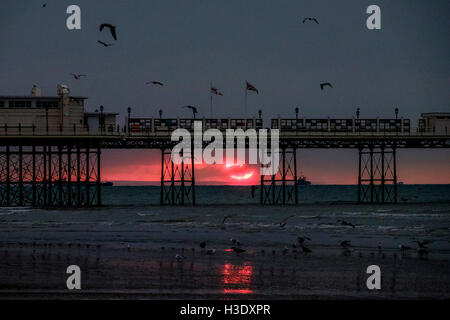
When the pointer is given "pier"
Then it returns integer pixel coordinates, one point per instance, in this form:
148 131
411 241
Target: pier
61 166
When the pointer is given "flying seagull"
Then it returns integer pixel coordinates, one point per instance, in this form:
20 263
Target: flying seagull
345 223
78 76
322 85
44 5
310 19
111 28
104 43
155 82
284 221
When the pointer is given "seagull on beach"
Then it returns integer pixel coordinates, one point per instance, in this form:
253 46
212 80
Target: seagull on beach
111 28
104 43
211 252
179 257
302 240
225 219
305 249
237 250
422 251
235 242
422 244
345 244
345 223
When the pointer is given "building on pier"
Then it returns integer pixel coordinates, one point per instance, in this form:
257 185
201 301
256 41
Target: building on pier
435 122
63 112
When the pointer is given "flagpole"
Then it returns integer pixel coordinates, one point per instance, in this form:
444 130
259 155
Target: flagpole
210 100
245 109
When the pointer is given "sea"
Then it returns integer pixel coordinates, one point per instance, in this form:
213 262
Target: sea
132 228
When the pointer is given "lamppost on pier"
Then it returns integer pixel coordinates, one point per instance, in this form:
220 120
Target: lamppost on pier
46 118
101 122
259 113
160 113
128 119
358 112
396 113
296 118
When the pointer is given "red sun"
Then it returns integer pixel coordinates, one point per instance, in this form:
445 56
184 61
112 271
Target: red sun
239 172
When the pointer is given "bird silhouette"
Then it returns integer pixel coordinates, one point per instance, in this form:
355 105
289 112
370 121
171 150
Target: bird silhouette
210 252
345 244
310 19
156 83
225 219
179 257
422 251
301 240
422 244
78 76
403 248
284 221
104 43
237 250
202 244
322 85
345 223
305 249
44 5
111 28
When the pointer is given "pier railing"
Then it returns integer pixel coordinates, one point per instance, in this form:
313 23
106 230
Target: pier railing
158 127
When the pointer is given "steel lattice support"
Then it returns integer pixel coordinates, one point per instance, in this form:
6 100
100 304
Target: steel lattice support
50 176
377 178
177 180
281 188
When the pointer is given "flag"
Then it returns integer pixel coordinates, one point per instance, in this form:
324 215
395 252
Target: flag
251 88
215 91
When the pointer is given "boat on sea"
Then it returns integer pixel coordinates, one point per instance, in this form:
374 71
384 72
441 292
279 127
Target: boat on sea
303 181
107 184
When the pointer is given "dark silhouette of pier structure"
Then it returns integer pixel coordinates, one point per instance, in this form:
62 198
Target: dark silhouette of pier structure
61 167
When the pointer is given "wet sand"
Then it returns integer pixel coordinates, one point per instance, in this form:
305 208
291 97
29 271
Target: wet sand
129 252
39 271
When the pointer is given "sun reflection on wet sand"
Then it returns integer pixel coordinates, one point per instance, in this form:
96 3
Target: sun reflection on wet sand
237 278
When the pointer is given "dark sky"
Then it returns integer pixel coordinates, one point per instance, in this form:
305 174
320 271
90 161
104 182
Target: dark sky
186 44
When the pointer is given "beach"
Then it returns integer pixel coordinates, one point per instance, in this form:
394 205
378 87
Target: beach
153 252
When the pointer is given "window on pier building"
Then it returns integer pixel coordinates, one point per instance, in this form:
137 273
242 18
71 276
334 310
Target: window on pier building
20 104
2 104
47 104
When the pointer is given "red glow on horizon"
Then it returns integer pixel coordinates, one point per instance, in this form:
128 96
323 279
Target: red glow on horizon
141 167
